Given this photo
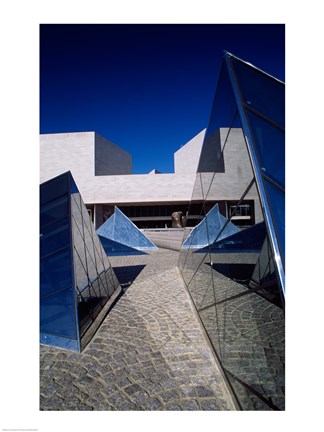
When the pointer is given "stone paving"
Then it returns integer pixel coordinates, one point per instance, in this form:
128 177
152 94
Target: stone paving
150 353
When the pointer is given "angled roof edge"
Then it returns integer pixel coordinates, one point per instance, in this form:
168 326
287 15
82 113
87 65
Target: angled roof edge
227 53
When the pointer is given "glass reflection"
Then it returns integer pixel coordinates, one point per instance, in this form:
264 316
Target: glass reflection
57 307
260 92
232 278
76 278
270 144
57 314
54 236
52 210
95 285
55 271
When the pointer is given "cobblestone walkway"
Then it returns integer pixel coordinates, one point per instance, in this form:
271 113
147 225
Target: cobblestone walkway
149 354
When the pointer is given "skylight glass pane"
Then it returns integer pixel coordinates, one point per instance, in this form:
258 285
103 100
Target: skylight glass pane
261 92
269 142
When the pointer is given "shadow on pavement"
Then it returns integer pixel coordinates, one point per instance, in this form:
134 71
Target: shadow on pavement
127 274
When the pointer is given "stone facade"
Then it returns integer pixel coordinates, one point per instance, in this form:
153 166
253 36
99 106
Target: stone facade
102 171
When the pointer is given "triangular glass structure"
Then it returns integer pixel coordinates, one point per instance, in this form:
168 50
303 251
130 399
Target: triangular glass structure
77 283
255 104
213 226
237 282
120 236
260 100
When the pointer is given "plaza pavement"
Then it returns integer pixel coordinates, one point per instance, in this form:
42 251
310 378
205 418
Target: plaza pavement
150 352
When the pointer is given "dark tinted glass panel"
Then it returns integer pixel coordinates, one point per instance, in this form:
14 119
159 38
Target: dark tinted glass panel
57 315
53 189
80 261
277 201
270 145
54 236
81 275
99 252
223 115
95 288
92 300
89 249
53 210
55 272
85 320
94 297
261 92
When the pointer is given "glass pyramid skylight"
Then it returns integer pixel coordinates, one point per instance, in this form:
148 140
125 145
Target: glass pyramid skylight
77 283
120 236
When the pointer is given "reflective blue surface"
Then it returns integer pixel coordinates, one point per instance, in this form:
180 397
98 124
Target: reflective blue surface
261 92
211 157
213 226
55 271
247 240
54 236
76 278
270 145
261 103
124 234
57 314
60 342
54 189
235 282
57 298
54 210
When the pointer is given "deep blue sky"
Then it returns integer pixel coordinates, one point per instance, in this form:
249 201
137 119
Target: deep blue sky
147 88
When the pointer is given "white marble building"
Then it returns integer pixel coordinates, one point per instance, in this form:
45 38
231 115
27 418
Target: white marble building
103 174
